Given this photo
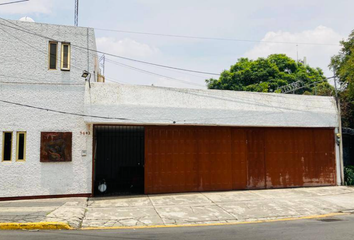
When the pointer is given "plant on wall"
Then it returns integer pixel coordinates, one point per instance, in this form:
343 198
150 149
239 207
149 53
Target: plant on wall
349 175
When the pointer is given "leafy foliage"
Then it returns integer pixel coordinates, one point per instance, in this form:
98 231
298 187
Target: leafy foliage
349 175
268 74
347 109
343 65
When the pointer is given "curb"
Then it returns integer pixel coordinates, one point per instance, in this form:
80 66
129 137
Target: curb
35 226
65 226
219 224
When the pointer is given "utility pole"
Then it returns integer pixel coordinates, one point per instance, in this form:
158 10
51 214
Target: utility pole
76 16
339 131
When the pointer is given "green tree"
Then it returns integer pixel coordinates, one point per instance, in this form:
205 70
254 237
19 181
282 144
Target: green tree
268 74
343 66
343 63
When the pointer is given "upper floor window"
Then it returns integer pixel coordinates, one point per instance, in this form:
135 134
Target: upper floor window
65 56
53 55
21 146
6 146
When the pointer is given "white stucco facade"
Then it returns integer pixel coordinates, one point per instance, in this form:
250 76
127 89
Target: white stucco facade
150 105
25 79
160 105
27 85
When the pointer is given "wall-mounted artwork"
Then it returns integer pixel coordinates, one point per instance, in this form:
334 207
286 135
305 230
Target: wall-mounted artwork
56 146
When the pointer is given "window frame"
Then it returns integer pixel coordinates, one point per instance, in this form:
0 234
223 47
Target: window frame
18 145
62 56
3 146
56 55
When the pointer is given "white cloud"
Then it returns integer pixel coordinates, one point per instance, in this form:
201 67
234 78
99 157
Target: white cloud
33 6
317 55
126 47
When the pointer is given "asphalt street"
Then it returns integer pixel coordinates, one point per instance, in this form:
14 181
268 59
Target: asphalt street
340 227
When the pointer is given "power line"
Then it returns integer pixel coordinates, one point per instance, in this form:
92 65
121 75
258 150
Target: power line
115 80
7 3
114 62
40 83
294 87
152 73
35 81
110 54
149 63
61 112
30 45
211 38
133 68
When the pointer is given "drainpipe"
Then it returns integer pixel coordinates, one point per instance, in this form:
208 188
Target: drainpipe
340 144
340 132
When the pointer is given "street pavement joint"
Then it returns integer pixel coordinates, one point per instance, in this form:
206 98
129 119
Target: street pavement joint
181 209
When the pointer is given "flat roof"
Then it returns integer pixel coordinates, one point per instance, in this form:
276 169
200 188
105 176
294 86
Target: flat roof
146 105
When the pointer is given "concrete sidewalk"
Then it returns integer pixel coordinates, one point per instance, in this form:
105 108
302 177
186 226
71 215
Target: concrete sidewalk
177 209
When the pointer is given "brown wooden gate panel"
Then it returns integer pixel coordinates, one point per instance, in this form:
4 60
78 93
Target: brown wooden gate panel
325 170
239 158
214 158
256 159
285 156
299 157
171 163
183 159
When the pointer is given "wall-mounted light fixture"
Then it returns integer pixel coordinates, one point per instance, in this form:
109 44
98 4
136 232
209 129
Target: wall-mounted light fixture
87 76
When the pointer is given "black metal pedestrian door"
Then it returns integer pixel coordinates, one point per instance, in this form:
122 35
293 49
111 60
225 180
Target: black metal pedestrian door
119 160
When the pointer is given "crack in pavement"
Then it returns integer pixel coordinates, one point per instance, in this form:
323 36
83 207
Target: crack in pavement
84 215
156 210
232 215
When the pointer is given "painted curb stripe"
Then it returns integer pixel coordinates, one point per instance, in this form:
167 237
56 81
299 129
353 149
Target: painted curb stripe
217 224
65 226
35 225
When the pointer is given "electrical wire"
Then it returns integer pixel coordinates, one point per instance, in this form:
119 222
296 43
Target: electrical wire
62 112
308 85
57 111
109 60
30 45
40 83
35 81
7 3
212 38
113 55
124 65
152 73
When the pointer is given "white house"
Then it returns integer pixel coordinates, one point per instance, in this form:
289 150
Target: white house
30 76
60 136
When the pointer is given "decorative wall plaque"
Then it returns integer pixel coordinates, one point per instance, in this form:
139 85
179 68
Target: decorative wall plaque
56 146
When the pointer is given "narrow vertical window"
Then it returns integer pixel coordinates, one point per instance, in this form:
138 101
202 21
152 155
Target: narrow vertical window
53 55
21 146
6 146
65 56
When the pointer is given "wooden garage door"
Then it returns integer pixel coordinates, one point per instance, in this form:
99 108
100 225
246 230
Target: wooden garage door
300 157
184 159
180 159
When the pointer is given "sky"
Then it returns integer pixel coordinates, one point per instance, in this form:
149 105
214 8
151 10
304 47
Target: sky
323 22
